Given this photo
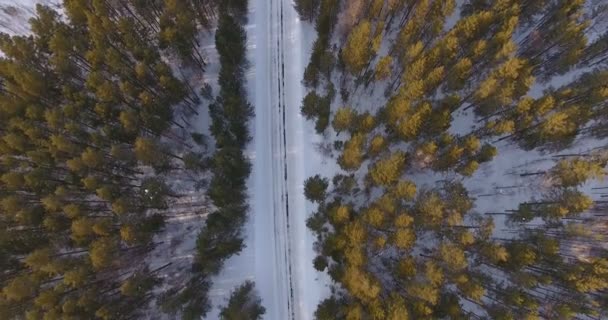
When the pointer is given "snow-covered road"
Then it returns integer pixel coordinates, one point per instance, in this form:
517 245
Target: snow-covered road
279 247
270 195
284 153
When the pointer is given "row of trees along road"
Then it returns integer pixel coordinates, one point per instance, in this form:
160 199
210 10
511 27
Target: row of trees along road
93 132
221 237
533 75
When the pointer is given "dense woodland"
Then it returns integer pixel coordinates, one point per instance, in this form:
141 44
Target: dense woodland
95 107
533 75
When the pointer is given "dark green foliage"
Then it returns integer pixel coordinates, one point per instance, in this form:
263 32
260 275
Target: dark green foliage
230 112
322 59
153 193
222 237
318 108
329 309
322 62
195 162
244 304
236 8
320 263
315 188
316 221
307 9
199 139
191 300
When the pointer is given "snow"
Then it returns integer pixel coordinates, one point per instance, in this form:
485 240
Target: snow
176 244
499 187
266 170
272 242
14 14
237 268
283 155
305 160
279 251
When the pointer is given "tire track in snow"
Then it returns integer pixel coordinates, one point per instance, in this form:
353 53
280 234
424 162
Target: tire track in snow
284 192
273 164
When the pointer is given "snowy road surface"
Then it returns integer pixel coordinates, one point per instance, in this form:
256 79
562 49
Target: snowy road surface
271 198
283 154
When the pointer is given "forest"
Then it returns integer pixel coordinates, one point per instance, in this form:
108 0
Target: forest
417 99
470 139
98 149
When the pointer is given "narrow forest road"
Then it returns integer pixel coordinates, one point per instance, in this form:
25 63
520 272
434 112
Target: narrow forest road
271 197
283 245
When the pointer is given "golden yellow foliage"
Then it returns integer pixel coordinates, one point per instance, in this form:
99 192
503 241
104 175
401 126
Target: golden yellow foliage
388 170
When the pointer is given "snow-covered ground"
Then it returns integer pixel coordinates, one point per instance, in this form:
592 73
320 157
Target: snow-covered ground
14 14
304 160
284 156
279 249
